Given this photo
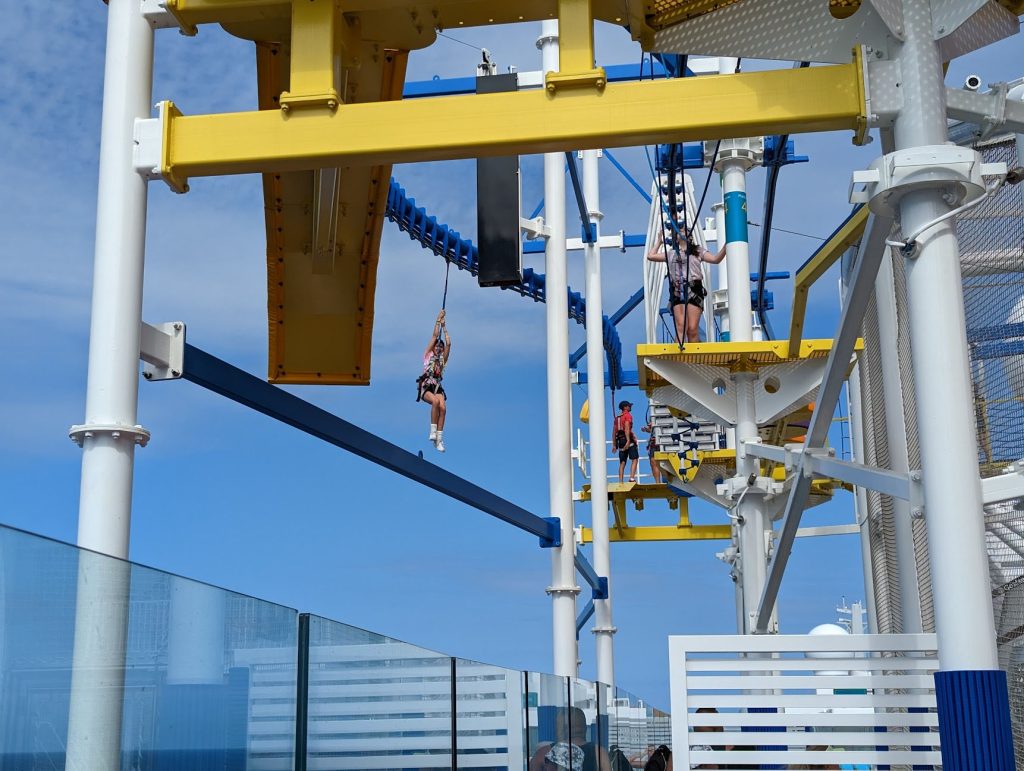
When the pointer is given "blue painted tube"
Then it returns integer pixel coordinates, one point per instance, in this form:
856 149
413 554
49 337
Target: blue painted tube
974 720
736 217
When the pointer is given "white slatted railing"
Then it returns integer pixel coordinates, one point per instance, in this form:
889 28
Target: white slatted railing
837 701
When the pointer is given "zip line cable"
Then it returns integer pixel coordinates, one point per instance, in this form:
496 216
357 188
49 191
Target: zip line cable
460 42
447 270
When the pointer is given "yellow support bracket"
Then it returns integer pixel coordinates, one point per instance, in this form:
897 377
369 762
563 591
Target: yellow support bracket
845 236
575 49
315 54
524 122
649 533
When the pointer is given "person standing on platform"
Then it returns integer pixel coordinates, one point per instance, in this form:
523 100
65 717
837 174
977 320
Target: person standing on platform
624 440
685 281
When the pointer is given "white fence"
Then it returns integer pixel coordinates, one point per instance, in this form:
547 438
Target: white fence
835 701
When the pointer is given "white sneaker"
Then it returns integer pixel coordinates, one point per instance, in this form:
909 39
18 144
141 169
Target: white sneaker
440 446
439 442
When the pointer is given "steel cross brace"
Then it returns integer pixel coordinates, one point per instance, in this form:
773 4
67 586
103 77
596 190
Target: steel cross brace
821 462
218 376
598 584
1006 486
587 227
991 111
584 617
862 287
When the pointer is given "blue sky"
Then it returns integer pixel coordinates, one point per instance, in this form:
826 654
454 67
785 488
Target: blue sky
227 496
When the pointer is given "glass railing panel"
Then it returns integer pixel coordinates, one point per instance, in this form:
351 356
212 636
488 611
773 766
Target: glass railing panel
376 702
491 730
587 729
628 728
184 674
547 716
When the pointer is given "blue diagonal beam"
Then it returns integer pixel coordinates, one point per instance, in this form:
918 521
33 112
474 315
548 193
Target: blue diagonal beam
584 617
598 584
586 226
218 376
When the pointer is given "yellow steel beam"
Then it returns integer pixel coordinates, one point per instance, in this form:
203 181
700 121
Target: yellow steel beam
670 12
664 533
321 322
734 356
226 11
619 510
623 114
575 49
635 491
845 236
315 47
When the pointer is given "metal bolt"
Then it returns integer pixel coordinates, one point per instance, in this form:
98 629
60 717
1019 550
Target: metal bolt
915 475
176 372
177 326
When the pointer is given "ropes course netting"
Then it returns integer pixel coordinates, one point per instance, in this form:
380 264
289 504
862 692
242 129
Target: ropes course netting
992 264
992 246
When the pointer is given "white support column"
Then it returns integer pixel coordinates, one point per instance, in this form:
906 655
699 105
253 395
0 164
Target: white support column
856 414
604 630
737 247
734 160
109 434
722 269
563 589
949 448
896 438
753 525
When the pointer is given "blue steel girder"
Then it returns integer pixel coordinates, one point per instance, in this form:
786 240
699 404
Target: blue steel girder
225 379
598 584
584 617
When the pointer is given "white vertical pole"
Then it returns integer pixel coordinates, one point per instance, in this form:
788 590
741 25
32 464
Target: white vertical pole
949 447
603 628
721 270
109 434
563 589
737 248
753 524
896 438
855 411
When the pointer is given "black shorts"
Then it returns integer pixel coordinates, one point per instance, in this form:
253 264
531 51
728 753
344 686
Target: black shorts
693 294
423 388
630 453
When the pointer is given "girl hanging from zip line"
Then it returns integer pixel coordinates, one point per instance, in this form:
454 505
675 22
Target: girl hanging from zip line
685 279
428 385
